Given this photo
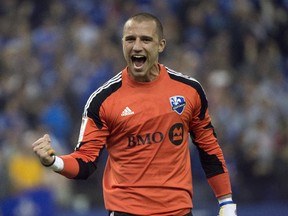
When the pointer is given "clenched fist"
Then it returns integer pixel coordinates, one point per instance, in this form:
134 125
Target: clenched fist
42 148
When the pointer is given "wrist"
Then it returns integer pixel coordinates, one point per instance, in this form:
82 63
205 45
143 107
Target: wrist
225 201
58 164
51 163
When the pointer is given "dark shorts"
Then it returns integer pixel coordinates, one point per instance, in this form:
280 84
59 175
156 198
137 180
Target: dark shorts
126 214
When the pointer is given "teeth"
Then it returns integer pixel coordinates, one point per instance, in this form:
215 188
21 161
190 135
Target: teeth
138 56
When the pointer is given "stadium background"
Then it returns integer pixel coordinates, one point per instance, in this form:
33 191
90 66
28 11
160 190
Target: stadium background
53 54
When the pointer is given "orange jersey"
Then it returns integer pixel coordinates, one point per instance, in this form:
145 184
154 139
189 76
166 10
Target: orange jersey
145 128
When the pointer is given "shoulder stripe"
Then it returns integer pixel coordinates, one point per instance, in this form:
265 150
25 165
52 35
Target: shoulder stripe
194 84
115 79
173 72
92 106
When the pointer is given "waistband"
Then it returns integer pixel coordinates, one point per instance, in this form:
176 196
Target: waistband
115 213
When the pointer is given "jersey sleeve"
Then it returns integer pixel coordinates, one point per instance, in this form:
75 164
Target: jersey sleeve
93 133
211 156
83 161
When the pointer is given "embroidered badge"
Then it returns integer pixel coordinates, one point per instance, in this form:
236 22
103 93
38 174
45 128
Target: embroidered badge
178 103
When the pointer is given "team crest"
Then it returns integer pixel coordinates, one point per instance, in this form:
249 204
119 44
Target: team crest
178 104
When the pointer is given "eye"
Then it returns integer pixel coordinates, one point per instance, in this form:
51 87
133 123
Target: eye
147 39
129 39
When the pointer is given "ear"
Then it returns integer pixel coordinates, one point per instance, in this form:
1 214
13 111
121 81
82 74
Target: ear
162 45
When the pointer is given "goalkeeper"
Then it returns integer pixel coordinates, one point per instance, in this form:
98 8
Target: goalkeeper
143 116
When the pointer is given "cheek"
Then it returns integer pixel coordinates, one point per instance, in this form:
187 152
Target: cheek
126 49
154 54
125 53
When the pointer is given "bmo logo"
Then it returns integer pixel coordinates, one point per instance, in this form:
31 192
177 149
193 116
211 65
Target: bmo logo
176 134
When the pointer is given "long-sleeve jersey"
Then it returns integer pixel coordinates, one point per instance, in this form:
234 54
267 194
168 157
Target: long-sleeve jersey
145 129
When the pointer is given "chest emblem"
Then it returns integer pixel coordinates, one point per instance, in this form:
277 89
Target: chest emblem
127 111
178 103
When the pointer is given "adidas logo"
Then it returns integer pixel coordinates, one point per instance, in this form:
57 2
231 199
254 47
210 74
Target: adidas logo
127 111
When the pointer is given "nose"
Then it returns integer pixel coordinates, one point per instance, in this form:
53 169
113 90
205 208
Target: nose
137 45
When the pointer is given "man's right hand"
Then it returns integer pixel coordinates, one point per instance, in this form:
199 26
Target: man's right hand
42 148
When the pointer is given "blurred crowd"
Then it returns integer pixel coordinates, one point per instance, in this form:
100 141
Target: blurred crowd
54 54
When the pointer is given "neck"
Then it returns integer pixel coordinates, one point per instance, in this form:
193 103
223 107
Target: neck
151 75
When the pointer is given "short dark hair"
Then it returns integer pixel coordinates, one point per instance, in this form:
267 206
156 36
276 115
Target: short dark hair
148 17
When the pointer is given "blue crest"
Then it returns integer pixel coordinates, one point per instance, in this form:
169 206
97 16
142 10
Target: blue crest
178 103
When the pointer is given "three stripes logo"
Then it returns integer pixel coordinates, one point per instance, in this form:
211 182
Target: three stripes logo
127 111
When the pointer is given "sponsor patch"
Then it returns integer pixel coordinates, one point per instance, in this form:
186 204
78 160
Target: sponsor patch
176 133
178 103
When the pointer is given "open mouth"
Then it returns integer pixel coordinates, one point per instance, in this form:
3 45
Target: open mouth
138 60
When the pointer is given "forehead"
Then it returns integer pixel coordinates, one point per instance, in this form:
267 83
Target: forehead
138 28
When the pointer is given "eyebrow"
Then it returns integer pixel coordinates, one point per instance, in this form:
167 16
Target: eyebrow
143 37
